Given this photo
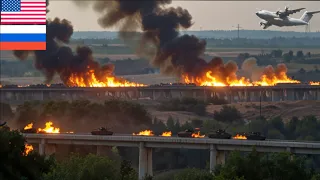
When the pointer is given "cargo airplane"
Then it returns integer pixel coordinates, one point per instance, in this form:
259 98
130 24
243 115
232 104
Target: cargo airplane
281 18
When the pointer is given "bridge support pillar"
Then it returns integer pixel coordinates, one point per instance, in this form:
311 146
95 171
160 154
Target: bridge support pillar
290 95
145 161
42 147
213 157
50 149
275 96
103 150
221 157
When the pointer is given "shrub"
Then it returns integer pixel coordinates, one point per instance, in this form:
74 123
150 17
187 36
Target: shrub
227 114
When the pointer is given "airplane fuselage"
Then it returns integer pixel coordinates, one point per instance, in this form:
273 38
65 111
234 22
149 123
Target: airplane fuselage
274 19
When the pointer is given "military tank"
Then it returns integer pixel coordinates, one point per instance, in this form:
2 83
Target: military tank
219 134
3 124
32 130
102 131
186 133
255 136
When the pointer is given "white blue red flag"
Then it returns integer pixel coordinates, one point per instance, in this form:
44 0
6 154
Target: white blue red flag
23 25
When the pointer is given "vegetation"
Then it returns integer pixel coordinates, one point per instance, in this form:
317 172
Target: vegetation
15 164
190 104
75 111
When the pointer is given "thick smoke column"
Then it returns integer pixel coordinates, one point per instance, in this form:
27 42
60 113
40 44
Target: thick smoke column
59 58
174 54
267 74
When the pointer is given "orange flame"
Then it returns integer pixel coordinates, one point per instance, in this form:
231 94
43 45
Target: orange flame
197 135
225 75
167 134
92 81
49 128
29 126
28 149
314 83
144 133
238 136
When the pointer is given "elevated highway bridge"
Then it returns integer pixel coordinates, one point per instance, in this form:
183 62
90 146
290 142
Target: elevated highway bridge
217 147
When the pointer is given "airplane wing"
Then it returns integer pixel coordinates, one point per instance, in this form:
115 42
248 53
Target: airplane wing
294 11
288 12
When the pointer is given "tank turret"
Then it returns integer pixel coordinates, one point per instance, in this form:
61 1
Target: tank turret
102 131
186 133
219 134
255 136
3 124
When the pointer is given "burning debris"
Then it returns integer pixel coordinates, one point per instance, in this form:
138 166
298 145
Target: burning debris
49 128
144 133
166 134
28 149
239 136
314 83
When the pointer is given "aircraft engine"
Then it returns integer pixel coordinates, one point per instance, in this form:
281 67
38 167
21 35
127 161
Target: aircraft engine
264 24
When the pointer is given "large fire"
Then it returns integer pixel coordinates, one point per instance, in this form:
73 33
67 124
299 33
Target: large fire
238 136
197 135
314 83
209 80
166 134
28 149
144 133
29 126
91 80
219 74
49 128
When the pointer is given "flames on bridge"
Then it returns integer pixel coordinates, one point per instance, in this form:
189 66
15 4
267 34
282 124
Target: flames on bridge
238 136
219 74
91 79
165 134
49 128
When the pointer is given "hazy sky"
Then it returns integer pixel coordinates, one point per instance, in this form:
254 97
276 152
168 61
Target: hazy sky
208 15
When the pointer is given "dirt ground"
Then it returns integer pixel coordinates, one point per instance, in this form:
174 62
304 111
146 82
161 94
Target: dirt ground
286 109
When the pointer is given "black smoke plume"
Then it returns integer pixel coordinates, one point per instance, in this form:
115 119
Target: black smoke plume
58 57
174 54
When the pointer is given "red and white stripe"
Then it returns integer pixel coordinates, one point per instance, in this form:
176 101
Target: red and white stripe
32 12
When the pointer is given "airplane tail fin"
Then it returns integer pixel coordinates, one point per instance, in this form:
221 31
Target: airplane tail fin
306 17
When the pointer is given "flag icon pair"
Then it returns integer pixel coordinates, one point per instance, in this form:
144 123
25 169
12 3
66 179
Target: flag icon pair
23 25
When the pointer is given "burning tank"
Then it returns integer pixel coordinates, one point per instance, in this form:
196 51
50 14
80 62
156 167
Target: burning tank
220 134
29 129
186 133
32 130
255 136
102 131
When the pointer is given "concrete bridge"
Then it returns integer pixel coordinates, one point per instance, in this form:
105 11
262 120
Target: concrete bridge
218 147
285 92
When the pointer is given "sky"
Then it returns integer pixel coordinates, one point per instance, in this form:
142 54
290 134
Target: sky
207 15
